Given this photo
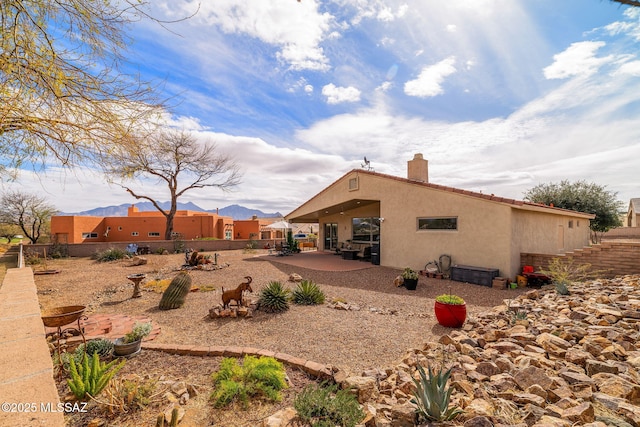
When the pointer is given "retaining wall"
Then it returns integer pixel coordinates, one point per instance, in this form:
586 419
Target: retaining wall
611 257
26 376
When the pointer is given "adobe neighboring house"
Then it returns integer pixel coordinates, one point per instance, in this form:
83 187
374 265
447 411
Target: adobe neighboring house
139 226
415 221
633 214
256 228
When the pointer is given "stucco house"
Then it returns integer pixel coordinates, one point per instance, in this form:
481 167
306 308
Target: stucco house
139 226
633 214
415 221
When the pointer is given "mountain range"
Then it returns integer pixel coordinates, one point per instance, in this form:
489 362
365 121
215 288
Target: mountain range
234 211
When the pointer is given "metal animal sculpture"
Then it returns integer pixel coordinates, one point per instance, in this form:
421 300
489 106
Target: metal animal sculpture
236 294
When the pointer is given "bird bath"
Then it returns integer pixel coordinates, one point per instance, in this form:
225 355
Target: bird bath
136 279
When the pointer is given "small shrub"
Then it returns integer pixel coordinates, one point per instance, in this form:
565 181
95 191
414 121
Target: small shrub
326 406
432 396
308 293
262 377
130 394
160 250
111 254
139 331
91 376
519 315
274 298
564 272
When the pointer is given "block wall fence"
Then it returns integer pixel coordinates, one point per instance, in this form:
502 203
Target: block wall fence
88 249
611 257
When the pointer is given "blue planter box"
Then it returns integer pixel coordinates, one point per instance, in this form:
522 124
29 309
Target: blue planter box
476 275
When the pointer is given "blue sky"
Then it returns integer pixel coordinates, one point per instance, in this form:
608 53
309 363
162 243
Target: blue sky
498 95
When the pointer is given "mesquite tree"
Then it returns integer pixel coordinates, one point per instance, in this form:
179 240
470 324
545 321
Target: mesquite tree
581 196
175 159
63 93
30 212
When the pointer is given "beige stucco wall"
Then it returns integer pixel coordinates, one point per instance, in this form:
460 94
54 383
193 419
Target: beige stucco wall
545 233
490 234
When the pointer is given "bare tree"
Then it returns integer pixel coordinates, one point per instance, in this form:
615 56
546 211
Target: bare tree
63 94
30 212
178 160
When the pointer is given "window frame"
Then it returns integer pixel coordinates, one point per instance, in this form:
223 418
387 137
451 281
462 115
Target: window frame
436 228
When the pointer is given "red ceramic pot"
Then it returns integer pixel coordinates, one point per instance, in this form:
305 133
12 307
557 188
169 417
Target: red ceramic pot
450 315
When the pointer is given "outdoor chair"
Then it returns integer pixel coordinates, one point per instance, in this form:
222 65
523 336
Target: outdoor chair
339 248
366 254
132 249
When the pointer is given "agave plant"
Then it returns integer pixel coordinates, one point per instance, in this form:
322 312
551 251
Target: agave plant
274 298
432 396
308 293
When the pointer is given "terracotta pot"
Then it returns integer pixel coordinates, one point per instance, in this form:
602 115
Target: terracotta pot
450 315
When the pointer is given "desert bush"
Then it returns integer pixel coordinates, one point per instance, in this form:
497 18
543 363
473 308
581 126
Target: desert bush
130 394
326 406
111 254
308 293
261 377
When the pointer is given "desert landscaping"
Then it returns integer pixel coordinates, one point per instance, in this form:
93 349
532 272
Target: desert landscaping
568 357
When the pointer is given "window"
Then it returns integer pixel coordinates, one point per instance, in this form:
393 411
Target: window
227 234
570 223
153 234
353 184
446 223
134 233
365 229
89 235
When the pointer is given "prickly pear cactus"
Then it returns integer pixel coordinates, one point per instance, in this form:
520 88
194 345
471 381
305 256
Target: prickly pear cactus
176 293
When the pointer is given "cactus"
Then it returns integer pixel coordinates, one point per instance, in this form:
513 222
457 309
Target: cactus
176 293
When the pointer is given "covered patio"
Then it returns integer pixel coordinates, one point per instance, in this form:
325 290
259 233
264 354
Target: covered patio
321 261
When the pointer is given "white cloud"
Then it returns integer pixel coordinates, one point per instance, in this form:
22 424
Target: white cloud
578 59
377 9
297 29
429 82
308 88
337 95
452 28
631 68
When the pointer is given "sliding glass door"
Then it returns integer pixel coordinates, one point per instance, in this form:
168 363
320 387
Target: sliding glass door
330 236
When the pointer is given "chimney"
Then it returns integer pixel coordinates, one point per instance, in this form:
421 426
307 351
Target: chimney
418 169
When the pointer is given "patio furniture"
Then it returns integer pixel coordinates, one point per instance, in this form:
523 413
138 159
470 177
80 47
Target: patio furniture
350 254
365 254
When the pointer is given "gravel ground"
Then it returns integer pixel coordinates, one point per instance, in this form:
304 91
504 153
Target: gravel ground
353 340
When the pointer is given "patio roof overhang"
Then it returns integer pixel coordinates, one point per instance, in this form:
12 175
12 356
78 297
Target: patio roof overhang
313 216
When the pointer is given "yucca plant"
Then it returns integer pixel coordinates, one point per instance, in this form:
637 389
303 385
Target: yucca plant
308 293
274 298
432 396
